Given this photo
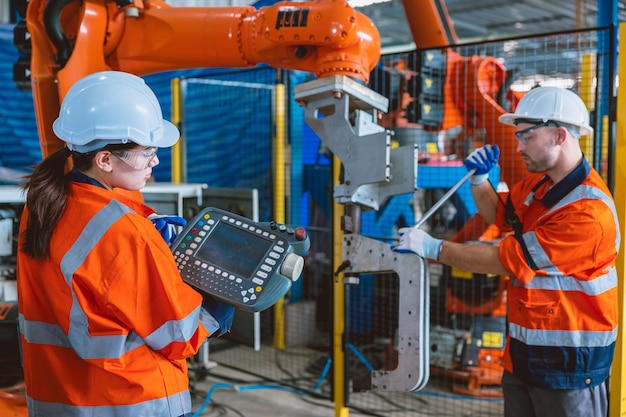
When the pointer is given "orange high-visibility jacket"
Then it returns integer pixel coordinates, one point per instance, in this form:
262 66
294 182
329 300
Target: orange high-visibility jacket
563 316
106 322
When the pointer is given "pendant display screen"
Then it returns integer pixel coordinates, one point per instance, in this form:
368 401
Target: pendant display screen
234 249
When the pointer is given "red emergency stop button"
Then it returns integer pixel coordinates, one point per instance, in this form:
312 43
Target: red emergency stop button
300 233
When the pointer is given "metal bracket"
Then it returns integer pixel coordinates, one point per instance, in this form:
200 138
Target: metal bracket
343 113
372 256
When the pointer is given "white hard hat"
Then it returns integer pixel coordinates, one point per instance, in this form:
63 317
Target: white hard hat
112 107
550 103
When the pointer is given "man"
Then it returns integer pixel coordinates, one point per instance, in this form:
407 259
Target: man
560 254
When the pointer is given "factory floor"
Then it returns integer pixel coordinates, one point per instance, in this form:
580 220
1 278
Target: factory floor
228 392
218 395
232 386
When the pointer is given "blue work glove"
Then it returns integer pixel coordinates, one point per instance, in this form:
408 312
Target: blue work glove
419 242
167 225
483 160
223 313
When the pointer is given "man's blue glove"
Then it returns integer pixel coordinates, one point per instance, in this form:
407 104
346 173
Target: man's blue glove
223 313
166 225
482 160
419 242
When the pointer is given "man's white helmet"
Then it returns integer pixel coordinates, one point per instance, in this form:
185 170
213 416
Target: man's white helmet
112 107
551 103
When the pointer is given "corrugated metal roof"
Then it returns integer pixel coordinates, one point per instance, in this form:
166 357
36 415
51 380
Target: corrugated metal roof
494 19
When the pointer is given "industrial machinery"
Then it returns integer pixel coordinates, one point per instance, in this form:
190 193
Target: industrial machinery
64 40
435 92
68 39
244 263
343 113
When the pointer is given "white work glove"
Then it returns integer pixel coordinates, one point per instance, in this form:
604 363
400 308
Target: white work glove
167 225
419 242
482 160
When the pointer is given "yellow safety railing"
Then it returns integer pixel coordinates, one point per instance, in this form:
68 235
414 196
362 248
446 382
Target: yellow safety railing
617 405
278 147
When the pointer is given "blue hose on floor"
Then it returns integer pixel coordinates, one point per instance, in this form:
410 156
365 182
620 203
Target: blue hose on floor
214 387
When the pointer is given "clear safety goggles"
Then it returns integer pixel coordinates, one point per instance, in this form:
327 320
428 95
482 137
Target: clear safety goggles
523 136
138 159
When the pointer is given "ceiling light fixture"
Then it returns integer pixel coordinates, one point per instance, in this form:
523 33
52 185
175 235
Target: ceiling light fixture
363 3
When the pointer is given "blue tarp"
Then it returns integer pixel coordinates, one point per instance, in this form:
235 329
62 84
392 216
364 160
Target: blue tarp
18 128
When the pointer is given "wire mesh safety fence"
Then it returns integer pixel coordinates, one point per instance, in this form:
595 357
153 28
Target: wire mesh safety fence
228 125
447 102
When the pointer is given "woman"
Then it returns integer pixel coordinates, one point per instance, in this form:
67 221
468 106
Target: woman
106 321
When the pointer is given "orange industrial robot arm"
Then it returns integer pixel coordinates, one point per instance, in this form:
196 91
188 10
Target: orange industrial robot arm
72 38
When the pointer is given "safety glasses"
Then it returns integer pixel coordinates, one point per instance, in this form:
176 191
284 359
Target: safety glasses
138 159
523 136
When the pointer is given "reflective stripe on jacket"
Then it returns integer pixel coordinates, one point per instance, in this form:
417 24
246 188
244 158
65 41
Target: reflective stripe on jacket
106 322
563 316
